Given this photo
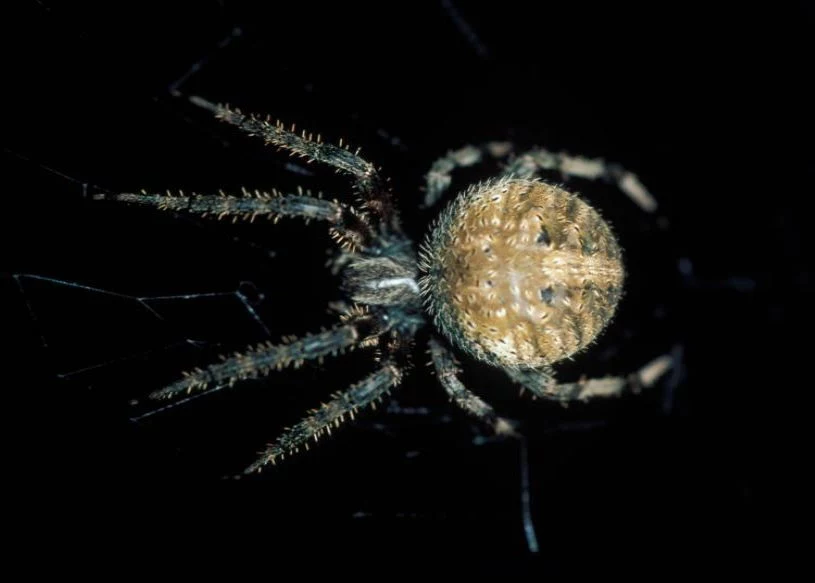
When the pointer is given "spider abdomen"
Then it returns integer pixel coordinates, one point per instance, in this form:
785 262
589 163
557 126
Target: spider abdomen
521 273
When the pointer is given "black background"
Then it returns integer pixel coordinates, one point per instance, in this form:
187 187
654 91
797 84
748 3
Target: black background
706 103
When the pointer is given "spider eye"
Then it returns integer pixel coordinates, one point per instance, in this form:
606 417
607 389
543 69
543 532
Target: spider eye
543 238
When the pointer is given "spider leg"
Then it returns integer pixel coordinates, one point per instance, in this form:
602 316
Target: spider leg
370 186
528 165
350 228
266 357
542 384
447 371
438 179
320 420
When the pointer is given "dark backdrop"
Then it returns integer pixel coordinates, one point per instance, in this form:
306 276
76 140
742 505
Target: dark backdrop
705 103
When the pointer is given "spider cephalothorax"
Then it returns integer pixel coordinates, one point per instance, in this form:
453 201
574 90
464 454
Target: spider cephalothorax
516 272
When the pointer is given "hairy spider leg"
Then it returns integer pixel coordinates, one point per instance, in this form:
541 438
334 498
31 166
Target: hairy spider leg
357 396
352 228
541 382
348 227
528 164
370 186
264 358
439 178
447 372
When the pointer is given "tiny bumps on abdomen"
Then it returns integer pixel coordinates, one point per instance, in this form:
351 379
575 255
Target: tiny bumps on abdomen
520 273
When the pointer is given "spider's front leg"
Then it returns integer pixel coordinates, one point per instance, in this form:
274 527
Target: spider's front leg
528 165
541 382
264 358
349 227
357 396
370 186
447 371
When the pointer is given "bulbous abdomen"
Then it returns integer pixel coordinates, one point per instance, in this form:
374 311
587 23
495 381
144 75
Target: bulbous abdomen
521 273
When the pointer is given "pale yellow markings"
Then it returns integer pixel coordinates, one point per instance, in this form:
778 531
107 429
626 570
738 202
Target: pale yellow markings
582 167
651 372
499 149
635 190
518 267
467 156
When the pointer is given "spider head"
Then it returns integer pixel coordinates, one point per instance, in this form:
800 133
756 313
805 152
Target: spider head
520 273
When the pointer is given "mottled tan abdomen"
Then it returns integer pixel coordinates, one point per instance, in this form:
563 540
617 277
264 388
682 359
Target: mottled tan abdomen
521 273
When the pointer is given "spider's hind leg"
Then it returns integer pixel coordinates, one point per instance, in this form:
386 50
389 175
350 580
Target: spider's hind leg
541 383
529 164
447 371
439 178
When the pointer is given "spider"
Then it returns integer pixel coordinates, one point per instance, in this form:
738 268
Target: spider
515 272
